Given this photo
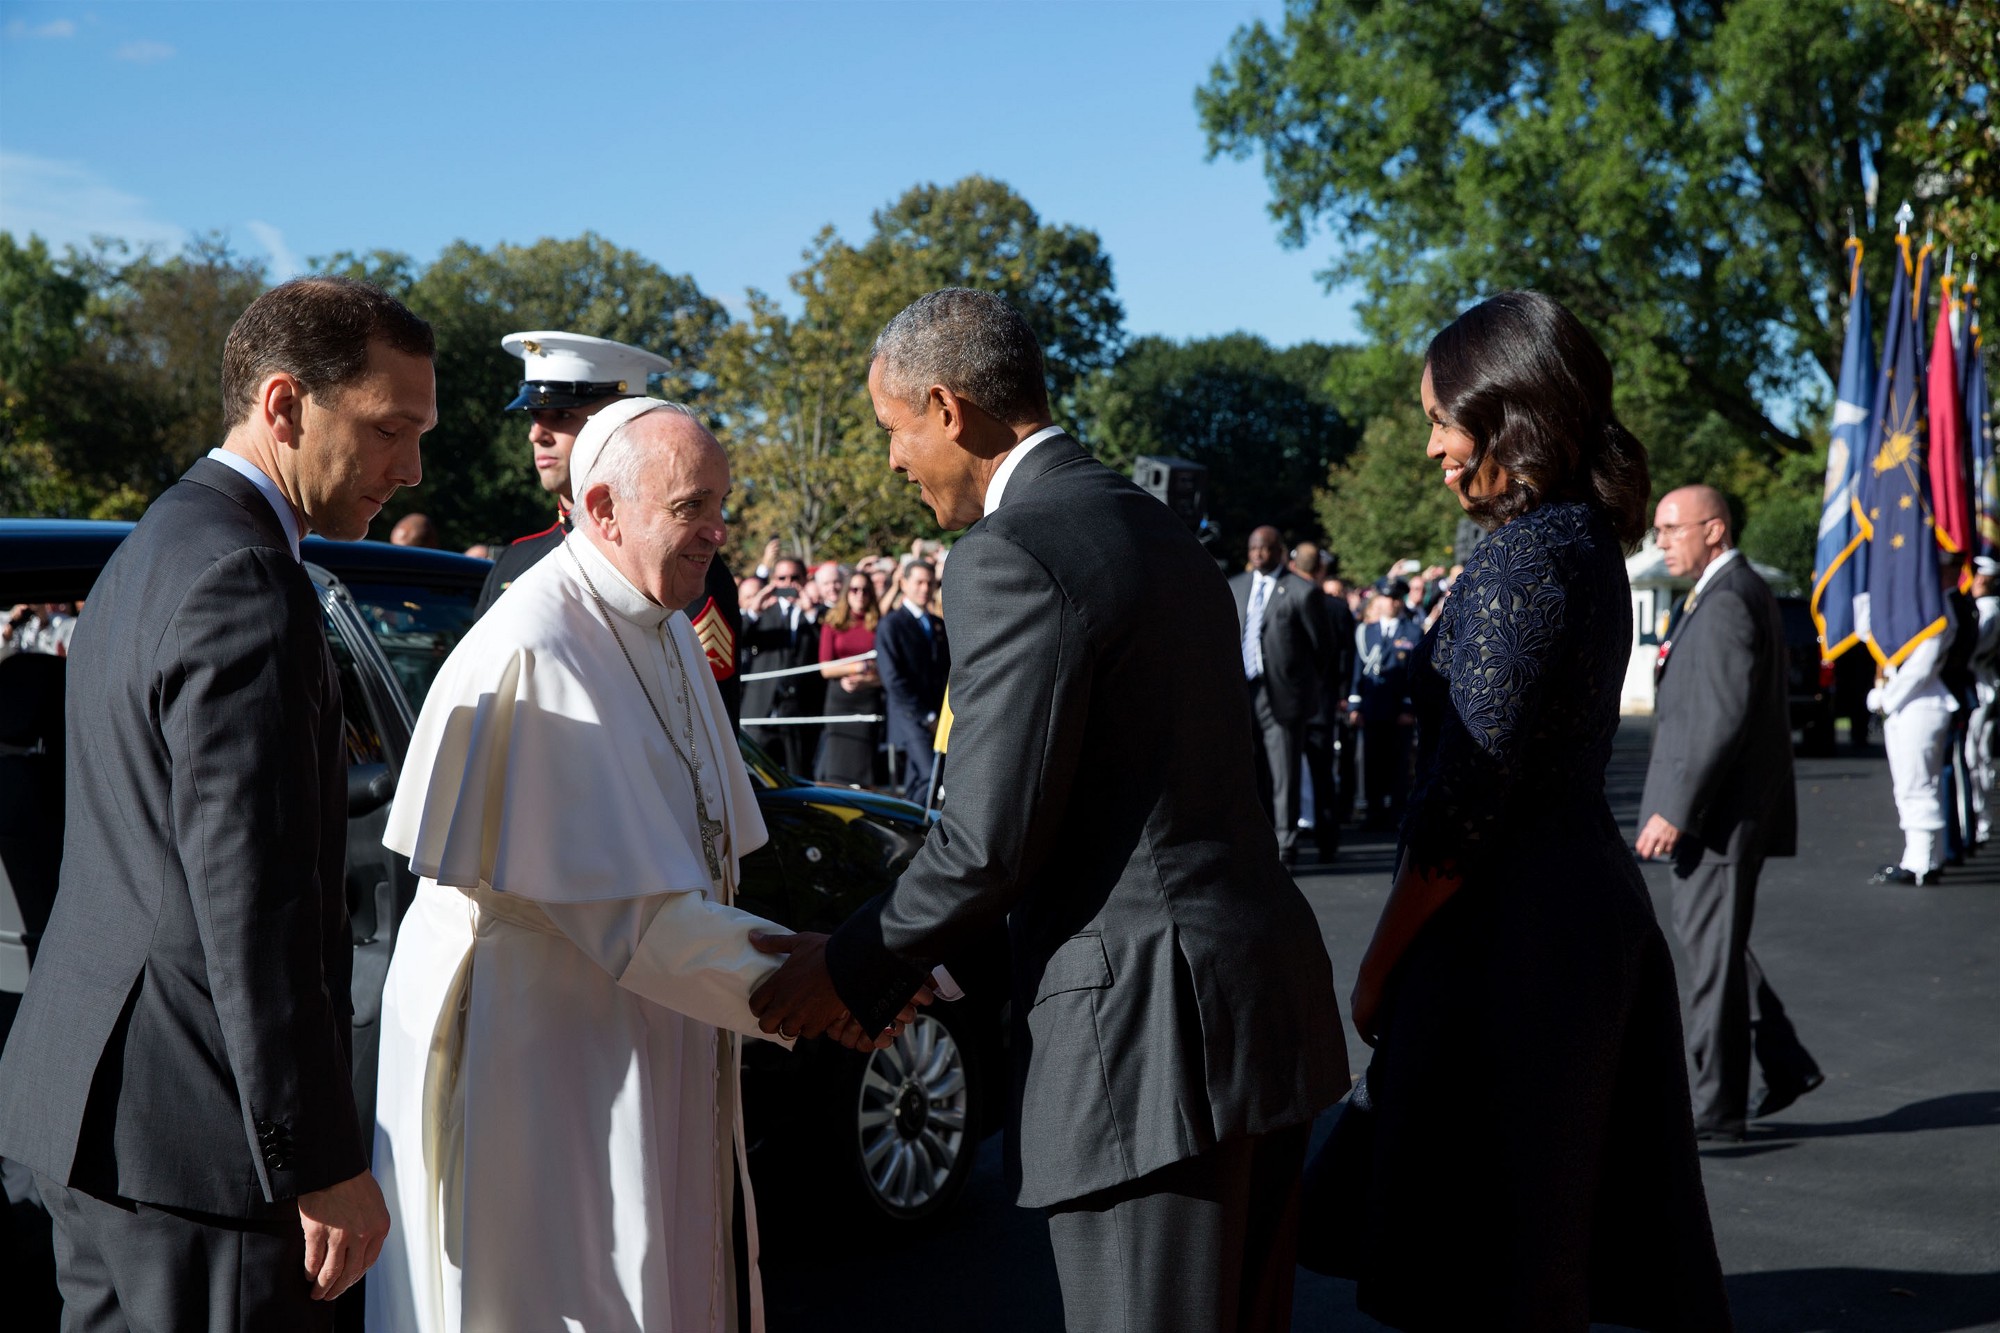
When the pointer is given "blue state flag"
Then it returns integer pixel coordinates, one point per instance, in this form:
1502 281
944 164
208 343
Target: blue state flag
1841 556
1905 601
1978 399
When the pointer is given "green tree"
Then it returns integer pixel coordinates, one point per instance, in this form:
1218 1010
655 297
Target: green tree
41 306
791 391
1958 142
977 233
126 398
1259 419
810 466
478 483
1387 502
1679 175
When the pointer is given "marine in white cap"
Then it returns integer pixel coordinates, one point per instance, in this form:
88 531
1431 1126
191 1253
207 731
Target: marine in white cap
566 379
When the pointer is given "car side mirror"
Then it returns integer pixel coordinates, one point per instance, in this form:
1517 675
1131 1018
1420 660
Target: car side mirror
369 787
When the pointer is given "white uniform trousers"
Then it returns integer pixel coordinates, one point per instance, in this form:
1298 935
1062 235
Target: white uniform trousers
1979 757
1915 736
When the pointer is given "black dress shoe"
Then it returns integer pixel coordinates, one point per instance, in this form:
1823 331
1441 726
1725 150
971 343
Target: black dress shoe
1718 1131
1782 1094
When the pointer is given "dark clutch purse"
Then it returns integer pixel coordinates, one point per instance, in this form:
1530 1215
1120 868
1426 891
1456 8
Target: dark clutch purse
1334 1192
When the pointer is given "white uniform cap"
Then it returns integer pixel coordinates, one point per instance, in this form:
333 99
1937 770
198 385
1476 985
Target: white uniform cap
575 369
597 433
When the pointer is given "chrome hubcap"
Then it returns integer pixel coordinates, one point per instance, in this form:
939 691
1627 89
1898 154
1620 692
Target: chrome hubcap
912 1114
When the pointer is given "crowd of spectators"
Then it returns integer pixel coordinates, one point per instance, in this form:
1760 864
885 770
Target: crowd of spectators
844 664
859 721
1356 748
39 627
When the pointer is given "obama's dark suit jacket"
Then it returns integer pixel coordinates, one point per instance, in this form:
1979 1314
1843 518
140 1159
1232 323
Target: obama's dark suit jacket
185 1034
1170 989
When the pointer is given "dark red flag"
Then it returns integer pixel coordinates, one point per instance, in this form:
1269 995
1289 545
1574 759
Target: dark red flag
1951 496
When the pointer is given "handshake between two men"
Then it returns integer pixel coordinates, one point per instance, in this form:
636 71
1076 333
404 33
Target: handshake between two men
799 999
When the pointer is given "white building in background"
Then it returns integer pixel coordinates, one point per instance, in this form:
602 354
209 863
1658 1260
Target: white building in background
1655 594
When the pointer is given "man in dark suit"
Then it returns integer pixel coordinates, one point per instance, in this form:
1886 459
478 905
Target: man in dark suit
1330 742
1719 798
782 636
1322 738
1173 1004
1281 626
1379 703
913 657
178 1077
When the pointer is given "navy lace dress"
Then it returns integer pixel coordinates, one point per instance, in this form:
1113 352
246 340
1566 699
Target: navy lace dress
1533 1163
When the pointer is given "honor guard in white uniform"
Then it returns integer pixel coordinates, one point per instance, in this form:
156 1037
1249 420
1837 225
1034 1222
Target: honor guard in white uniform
567 378
1916 710
1979 739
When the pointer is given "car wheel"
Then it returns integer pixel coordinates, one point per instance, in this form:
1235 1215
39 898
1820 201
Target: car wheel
911 1123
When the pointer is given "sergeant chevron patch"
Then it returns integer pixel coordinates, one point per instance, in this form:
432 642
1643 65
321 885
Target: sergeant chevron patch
716 640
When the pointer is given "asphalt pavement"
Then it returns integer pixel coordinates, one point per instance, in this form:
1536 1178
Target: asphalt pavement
1870 1206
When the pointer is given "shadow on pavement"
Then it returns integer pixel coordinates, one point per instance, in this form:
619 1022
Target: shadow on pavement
1958 1110
1863 1300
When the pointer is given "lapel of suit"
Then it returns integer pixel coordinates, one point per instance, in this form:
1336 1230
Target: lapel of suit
1272 604
1688 613
1677 631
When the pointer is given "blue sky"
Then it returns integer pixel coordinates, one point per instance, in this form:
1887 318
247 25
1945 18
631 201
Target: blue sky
714 138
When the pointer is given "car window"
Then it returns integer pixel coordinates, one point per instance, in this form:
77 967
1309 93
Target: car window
416 628
364 738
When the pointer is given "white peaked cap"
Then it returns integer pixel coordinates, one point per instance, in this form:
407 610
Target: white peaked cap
597 433
562 363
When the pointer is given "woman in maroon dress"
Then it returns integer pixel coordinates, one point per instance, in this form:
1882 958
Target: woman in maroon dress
847 749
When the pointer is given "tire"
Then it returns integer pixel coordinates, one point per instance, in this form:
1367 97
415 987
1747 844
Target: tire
905 1121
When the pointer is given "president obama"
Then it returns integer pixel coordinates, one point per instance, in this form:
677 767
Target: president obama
1175 1022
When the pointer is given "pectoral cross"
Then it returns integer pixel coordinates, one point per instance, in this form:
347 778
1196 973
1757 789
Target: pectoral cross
711 837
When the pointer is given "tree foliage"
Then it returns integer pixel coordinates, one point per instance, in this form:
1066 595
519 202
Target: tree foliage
1258 418
791 391
112 369
810 465
1958 143
479 484
1679 175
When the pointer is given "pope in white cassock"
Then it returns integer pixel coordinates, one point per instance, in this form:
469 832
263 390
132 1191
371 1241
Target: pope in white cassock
558 1133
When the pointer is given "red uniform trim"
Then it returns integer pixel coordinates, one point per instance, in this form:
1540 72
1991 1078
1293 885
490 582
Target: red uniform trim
536 535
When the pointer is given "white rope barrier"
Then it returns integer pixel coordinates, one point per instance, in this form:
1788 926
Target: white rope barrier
814 666
807 721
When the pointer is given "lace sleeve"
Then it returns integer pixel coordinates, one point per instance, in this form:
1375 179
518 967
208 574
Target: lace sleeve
1501 633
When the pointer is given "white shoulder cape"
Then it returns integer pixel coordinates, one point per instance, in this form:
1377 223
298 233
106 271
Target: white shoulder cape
527 771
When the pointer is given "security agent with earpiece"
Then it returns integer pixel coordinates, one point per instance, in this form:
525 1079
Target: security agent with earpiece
568 377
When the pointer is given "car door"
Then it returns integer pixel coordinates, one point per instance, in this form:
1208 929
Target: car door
380 886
